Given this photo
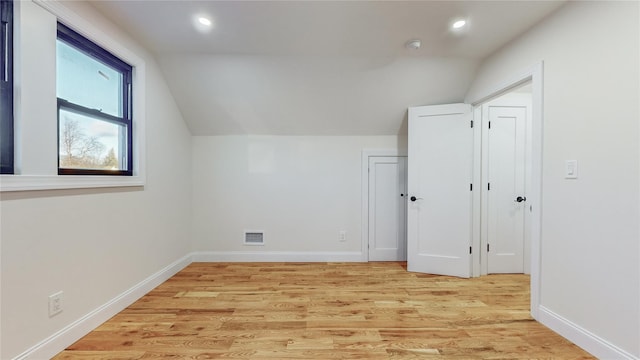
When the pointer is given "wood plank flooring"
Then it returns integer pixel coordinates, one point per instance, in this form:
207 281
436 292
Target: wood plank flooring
326 311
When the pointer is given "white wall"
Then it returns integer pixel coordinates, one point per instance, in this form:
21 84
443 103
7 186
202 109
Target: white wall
93 244
590 260
300 190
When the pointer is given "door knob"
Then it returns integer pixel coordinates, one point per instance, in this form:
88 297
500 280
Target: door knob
521 199
413 198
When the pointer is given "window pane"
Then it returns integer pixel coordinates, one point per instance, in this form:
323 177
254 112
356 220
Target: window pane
85 81
90 143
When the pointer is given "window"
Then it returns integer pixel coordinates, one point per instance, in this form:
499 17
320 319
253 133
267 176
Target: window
109 125
94 108
6 88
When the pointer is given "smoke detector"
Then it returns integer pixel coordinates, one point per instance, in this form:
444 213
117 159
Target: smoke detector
413 44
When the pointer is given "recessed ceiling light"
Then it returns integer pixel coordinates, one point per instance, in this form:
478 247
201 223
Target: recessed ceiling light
204 21
458 24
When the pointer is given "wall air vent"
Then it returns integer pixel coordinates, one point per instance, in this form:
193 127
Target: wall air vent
253 237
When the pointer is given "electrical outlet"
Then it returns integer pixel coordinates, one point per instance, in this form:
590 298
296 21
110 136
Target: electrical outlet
342 236
55 304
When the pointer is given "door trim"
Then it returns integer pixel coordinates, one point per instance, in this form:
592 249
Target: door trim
535 74
366 153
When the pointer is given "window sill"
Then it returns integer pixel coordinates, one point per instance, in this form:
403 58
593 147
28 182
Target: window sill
53 182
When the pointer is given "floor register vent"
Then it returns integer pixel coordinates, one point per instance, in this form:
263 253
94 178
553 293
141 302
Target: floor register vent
253 237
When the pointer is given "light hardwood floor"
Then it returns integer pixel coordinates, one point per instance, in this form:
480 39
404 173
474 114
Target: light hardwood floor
326 311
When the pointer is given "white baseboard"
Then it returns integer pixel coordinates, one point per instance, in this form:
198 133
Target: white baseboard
582 337
57 342
277 256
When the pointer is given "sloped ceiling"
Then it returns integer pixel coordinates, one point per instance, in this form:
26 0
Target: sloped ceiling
318 67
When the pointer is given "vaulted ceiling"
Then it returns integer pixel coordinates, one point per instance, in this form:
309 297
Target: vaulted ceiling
318 67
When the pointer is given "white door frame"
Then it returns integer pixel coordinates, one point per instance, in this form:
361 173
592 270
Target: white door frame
366 153
535 74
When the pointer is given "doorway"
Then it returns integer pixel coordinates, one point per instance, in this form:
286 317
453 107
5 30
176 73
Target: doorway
534 75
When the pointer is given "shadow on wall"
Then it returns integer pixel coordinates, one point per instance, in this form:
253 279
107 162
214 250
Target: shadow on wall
19 195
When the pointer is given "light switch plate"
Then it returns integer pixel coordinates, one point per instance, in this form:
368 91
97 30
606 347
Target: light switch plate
571 169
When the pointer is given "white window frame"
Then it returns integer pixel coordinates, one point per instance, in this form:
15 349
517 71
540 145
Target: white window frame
25 181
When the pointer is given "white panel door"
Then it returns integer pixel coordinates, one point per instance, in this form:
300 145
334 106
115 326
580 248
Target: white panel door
439 178
506 196
387 208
